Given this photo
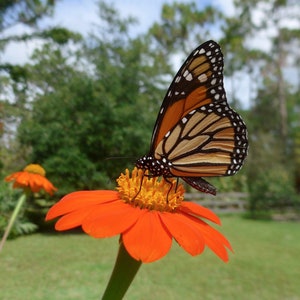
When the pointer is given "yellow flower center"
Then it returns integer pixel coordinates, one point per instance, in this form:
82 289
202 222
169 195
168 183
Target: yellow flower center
36 169
149 192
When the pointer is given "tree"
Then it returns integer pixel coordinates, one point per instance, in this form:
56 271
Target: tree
271 119
23 11
183 26
15 94
91 112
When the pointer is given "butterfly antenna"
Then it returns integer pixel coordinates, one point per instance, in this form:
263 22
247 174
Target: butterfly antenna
119 157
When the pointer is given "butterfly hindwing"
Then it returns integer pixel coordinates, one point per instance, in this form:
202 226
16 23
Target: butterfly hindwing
205 143
200 184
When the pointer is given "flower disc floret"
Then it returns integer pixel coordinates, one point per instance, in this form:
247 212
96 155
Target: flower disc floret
151 193
35 169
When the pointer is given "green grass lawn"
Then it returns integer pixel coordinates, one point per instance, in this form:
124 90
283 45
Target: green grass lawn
265 265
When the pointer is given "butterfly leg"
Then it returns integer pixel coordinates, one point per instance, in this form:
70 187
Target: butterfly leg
171 186
140 186
177 182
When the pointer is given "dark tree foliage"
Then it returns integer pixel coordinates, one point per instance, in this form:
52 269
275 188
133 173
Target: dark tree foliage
94 119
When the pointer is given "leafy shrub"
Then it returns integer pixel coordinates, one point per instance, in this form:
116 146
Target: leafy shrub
272 188
8 200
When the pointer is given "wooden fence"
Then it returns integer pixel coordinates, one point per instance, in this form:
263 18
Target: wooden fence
222 202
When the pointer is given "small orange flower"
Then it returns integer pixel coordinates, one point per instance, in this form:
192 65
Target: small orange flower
33 177
147 214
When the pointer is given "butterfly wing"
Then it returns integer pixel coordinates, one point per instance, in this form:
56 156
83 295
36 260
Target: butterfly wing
200 184
196 131
199 81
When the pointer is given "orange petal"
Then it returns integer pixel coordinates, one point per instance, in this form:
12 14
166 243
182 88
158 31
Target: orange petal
148 240
217 243
110 219
22 179
185 233
35 183
38 182
73 219
49 187
81 199
213 239
192 208
12 177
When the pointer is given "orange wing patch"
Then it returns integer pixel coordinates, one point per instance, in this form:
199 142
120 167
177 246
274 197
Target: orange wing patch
197 98
197 73
179 109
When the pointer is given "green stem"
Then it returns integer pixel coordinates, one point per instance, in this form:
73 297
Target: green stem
124 271
12 219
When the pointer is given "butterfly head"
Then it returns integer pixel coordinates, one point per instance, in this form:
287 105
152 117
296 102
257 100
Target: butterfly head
154 166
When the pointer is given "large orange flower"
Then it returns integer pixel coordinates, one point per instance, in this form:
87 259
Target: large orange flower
33 177
147 213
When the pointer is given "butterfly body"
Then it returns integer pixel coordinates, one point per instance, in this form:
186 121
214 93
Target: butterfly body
196 133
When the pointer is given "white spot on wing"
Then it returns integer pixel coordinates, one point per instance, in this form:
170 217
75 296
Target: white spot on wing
202 78
177 79
189 77
213 82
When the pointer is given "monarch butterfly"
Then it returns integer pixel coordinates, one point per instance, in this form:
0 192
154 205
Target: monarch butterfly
196 133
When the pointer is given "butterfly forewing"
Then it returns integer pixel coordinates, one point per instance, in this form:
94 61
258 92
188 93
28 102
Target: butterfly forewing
200 75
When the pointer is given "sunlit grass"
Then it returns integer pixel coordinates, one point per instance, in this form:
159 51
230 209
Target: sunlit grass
265 265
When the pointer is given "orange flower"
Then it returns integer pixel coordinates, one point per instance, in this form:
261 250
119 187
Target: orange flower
33 177
147 214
